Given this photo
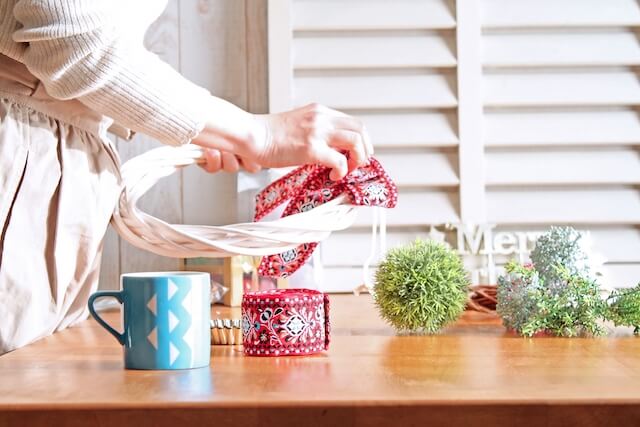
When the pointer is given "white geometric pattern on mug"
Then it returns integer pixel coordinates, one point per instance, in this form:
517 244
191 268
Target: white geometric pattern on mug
173 321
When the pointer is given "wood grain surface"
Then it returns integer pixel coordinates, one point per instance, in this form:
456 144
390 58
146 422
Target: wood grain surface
474 373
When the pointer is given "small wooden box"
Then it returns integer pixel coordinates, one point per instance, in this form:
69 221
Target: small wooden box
235 273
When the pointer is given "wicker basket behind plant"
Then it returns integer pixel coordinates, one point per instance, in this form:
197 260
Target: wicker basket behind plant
186 241
483 298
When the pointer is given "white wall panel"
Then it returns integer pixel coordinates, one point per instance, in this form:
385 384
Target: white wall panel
343 279
622 275
212 44
417 207
618 244
164 200
351 248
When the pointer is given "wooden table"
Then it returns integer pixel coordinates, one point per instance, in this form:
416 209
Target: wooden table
474 374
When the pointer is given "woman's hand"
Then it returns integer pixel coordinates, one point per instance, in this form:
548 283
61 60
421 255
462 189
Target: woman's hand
312 134
216 161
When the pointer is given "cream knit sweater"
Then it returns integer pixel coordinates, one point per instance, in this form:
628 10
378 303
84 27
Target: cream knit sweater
92 50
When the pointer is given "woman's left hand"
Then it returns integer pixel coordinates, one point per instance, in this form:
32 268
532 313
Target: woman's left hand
217 161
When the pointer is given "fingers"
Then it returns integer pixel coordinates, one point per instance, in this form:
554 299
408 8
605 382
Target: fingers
230 162
342 121
353 143
332 159
216 161
313 134
349 133
249 165
213 161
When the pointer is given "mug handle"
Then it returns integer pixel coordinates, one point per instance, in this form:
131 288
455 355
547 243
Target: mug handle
115 294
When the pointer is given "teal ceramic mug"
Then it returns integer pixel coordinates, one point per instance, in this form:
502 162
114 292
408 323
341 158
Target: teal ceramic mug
166 319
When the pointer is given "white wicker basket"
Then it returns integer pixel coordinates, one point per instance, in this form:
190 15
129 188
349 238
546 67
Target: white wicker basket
186 241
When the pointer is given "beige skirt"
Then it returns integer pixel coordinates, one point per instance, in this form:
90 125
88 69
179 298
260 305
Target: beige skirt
59 182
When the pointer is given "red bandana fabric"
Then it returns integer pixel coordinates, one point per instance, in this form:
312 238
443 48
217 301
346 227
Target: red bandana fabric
310 186
285 322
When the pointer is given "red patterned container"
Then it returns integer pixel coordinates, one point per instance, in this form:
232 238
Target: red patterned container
285 322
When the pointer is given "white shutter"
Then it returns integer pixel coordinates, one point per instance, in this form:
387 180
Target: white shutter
518 113
562 130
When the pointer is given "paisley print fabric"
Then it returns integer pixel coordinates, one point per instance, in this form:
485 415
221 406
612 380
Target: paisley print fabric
308 187
285 322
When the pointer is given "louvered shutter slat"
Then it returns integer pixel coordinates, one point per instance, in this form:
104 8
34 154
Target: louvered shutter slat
409 129
552 127
562 166
377 91
562 88
552 49
579 206
419 168
354 15
559 14
313 52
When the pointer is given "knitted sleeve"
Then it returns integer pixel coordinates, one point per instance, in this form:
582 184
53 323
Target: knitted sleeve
78 50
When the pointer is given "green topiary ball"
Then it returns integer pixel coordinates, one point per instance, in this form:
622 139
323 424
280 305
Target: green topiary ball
421 287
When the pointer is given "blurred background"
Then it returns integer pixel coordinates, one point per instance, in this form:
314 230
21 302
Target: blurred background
518 114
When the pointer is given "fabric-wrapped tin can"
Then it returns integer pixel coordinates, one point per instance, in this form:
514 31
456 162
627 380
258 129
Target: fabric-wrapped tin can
285 322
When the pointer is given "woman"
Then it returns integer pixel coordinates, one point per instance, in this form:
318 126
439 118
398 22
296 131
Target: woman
71 69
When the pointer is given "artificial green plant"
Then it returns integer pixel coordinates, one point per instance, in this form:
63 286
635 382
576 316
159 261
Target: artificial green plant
558 293
421 287
623 308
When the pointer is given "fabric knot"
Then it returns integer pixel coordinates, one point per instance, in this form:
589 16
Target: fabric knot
308 187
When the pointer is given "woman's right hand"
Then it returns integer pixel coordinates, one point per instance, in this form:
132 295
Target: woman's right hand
216 161
310 134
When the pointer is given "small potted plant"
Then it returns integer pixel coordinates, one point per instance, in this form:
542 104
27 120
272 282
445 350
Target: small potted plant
565 247
572 307
421 287
623 308
557 294
514 303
